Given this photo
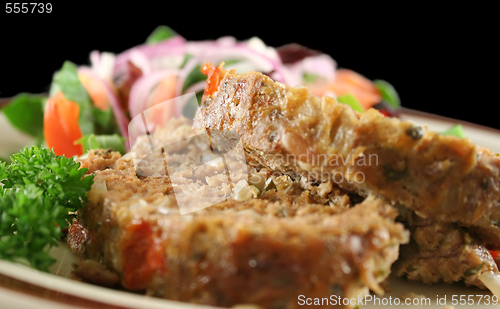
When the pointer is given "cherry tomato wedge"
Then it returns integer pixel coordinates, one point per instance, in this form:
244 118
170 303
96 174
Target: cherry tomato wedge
350 82
96 91
347 81
60 126
163 112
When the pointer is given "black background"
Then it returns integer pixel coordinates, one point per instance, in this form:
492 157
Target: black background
442 61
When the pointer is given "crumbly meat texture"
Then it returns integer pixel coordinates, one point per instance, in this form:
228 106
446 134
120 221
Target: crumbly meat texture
441 251
266 250
289 130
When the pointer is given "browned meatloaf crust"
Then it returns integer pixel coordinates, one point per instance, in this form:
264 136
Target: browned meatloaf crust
289 130
264 251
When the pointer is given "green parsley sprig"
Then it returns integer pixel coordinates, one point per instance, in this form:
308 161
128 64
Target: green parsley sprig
39 192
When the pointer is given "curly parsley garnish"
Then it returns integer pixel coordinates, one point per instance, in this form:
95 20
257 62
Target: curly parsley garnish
40 191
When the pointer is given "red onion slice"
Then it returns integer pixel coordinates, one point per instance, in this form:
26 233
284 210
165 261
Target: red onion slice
140 61
172 46
95 58
322 65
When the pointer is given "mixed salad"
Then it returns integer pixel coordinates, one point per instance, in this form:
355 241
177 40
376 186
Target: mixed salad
91 106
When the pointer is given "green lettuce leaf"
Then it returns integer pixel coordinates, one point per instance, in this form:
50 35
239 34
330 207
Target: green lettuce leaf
114 142
25 112
456 130
161 33
388 93
103 119
350 100
193 77
310 77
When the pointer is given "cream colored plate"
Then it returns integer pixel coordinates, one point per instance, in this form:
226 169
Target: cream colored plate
24 287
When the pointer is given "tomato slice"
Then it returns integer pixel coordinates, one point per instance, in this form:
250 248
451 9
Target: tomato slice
162 113
96 91
347 81
494 254
60 126
165 90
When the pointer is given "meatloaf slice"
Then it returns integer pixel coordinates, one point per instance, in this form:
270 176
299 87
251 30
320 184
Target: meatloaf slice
289 130
441 251
261 248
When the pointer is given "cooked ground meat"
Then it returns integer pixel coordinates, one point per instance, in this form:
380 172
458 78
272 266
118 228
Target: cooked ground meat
289 130
441 251
96 273
264 250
